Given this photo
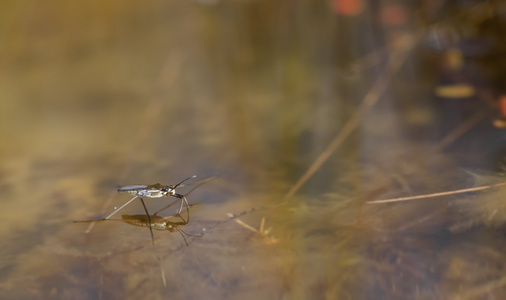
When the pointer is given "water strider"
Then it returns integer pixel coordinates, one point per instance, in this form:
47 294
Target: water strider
151 191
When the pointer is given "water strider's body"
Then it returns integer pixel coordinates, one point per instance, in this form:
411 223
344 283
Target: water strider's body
152 191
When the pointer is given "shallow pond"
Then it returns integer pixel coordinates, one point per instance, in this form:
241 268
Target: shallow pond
294 116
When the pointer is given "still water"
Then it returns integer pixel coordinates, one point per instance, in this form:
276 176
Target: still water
293 116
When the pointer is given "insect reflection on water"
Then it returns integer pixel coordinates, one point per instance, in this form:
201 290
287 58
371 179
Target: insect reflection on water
153 191
160 223
157 222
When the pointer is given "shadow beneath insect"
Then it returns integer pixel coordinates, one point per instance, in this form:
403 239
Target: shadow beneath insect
157 222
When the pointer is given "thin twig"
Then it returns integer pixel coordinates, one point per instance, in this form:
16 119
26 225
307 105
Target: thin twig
462 129
238 221
474 189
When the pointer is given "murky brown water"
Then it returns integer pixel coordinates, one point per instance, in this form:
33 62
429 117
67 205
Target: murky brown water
248 94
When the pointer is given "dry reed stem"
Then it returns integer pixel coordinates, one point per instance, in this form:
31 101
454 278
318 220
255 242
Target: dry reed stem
479 292
434 195
462 129
395 61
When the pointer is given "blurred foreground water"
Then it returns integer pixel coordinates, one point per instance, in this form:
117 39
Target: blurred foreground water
248 95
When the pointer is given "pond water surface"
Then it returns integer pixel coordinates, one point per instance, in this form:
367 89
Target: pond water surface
293 115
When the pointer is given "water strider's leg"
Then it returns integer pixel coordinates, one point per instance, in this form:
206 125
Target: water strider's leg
120 208
173 202
182 232
149 220
183 198
179 230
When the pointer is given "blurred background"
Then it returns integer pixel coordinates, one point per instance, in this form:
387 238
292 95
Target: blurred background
292 114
